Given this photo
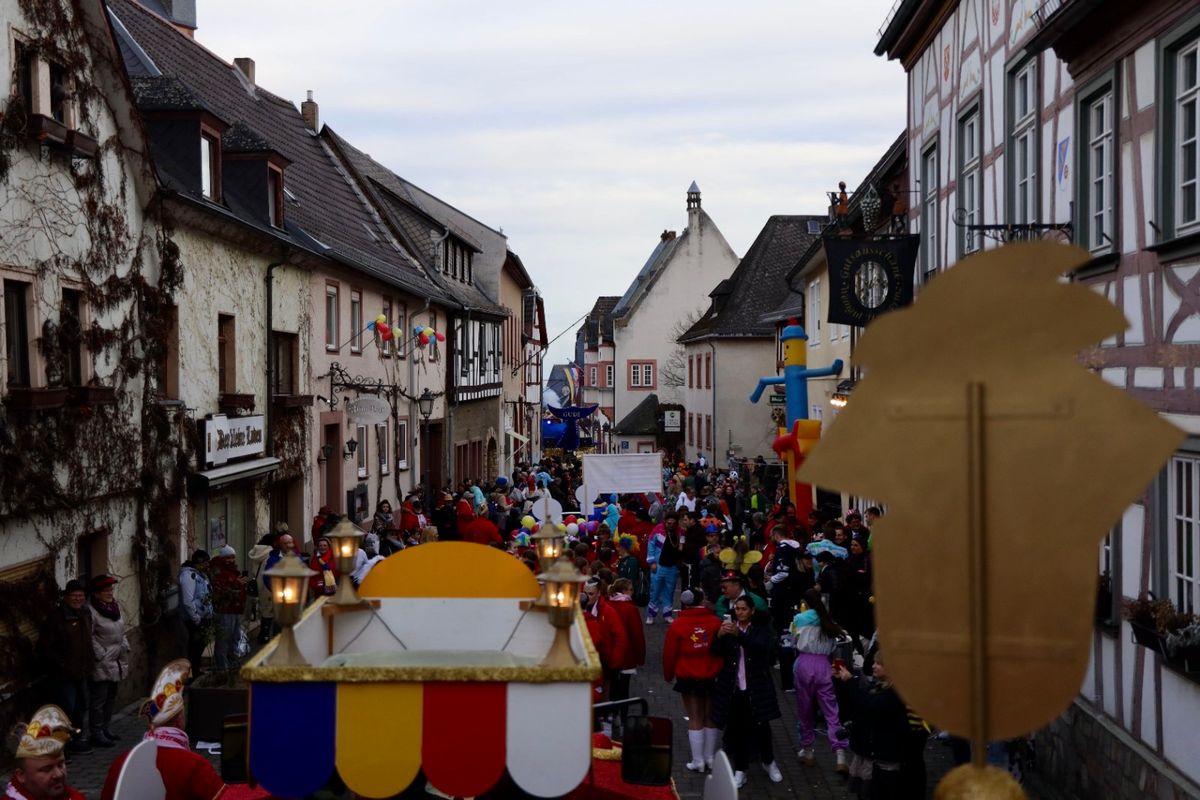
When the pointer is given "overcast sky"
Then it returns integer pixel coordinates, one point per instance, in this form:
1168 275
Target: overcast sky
577 128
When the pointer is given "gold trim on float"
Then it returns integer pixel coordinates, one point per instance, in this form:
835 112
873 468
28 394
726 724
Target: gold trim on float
258 669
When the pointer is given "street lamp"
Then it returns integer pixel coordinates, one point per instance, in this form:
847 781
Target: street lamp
425 407
345 538
351 447
549 544
289 589
562 583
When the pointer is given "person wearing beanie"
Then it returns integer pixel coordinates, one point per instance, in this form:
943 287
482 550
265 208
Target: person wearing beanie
195 602
688 660
186 775
229 602
65 653
111 650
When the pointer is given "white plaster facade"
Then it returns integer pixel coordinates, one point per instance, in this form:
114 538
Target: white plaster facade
673 285
720 420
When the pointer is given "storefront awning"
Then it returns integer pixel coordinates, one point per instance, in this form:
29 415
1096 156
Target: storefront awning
518 437
220 476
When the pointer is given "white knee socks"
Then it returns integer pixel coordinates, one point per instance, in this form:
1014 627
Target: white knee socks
696 742
711 737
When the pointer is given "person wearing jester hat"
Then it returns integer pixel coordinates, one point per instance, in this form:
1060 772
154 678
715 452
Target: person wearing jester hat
186 775
40 767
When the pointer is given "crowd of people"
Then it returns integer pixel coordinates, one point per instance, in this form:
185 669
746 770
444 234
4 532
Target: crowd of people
745 588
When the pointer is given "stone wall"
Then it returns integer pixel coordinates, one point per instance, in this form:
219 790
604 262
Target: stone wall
1085 755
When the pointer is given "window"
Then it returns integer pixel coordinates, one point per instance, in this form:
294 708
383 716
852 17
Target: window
708 370
1023 107
648 375
608 375
167 366
400 324
1183 549
691 372
708 432
331 317
209 166
402 443
275 196
641 375
226 367
381 443
284 353
970 181
814 316
691 429
24 71
70 323
1183 90
929 212
1096 180
593 380
16 332
356 321
360 452
385 346
60 95
433 346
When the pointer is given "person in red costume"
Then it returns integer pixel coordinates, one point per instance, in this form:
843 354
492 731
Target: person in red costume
620 600
607 631
40 768
689 661
185 774
472 528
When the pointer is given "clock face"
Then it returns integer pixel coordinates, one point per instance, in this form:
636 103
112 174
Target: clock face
870 284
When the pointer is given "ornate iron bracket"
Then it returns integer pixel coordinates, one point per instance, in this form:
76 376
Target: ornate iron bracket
341 381
1022 232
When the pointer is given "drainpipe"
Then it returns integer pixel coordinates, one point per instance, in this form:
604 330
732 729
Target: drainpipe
414 413
713 346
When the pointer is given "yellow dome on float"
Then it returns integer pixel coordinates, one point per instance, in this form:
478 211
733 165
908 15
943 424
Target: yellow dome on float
450 569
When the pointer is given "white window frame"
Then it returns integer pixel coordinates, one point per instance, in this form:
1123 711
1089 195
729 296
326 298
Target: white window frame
356 320
332 321
385 346
402 443
648 375
381 439
1183 532
360 453
593 376
1186 108
814 305
970 181
608 375
930 210
1024 94
1101 160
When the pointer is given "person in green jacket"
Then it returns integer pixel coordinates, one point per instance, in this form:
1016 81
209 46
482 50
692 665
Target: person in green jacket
733 586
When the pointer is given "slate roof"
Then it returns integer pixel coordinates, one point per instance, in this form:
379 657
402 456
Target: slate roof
598 325
241 139
654 265
642 420
398 201
163 93
328 213
759 281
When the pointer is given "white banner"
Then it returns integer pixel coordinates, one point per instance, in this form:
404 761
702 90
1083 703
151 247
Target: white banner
622 473
226 438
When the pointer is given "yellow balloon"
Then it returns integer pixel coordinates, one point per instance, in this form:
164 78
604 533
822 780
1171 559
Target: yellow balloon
381 320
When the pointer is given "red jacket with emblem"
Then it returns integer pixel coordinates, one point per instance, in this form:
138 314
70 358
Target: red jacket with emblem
631 619
608 634
687 650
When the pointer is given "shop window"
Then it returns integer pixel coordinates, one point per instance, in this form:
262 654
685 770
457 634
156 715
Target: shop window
226 359
16 331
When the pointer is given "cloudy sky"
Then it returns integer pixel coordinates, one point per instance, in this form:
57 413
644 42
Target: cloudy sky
577 128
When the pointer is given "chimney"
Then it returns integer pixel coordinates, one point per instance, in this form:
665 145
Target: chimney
693 206
246 65
308 110
182 14
668 235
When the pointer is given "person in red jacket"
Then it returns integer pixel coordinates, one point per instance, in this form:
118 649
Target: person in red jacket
472 528
688 660
607 632
620 599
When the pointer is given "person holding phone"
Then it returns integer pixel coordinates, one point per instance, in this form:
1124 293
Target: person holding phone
744 701
814 634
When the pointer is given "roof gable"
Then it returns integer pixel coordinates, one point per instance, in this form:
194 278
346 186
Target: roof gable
642 420
667 246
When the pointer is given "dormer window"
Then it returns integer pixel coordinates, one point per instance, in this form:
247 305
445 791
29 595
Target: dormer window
275 196
210 165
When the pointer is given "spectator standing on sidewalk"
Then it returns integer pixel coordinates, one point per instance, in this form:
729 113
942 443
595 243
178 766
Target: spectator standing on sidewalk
229 600
110 648
814 634
65 650
195 601
259 555
663 555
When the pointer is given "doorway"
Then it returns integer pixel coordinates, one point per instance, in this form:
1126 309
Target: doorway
432 457
332 439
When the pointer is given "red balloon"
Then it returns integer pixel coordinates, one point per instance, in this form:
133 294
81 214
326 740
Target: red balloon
383 328
441 337
387 334
570 519
423 339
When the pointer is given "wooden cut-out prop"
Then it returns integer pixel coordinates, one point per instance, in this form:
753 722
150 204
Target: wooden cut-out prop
1003 461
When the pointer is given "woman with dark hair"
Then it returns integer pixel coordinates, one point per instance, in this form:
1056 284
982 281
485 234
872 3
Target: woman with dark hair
744 701
815 633
688 660
322 561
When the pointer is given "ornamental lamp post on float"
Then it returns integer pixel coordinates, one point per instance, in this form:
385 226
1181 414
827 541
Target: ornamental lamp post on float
549 543
562 584
345 538
289 589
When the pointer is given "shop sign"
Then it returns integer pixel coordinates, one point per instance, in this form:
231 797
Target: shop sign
671 421
228 438
777 399
368 410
